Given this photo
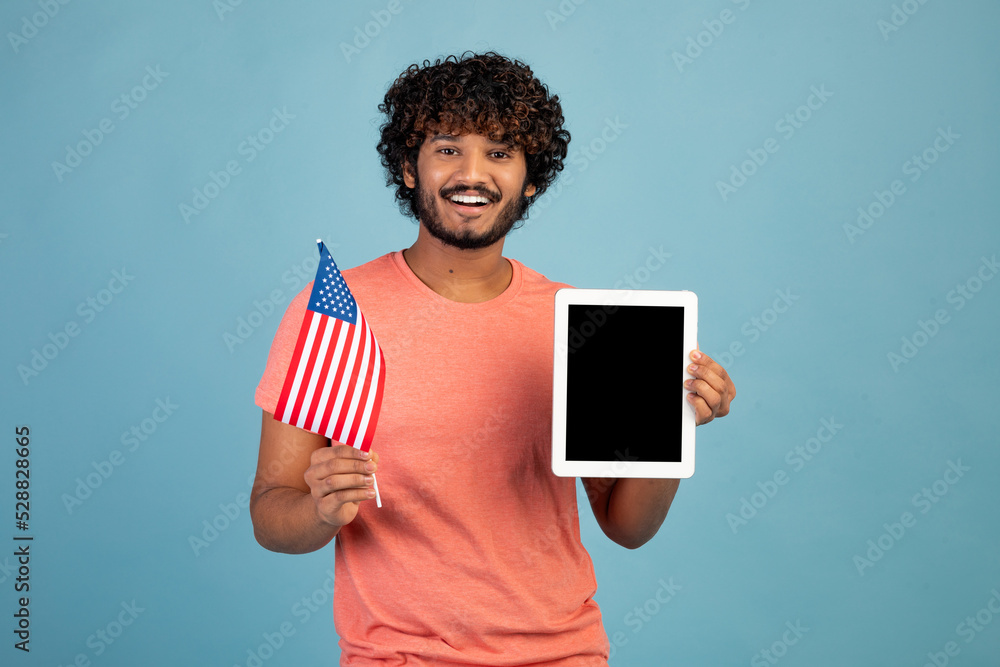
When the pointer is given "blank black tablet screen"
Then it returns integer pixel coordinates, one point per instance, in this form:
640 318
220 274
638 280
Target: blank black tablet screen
625 369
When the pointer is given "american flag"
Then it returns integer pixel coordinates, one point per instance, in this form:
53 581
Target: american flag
335 379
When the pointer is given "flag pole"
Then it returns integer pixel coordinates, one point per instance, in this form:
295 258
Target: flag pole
378 499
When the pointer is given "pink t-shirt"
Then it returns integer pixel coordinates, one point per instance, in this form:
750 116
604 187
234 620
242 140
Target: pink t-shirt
475 557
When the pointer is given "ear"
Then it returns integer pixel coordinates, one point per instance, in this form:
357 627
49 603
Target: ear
408 177
530 190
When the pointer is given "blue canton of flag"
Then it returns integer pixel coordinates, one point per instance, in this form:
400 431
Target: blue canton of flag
331 296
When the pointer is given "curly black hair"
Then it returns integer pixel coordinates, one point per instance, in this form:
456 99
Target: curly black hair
486 94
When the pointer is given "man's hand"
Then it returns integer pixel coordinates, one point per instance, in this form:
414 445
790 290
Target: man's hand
339 478
712 390
305 490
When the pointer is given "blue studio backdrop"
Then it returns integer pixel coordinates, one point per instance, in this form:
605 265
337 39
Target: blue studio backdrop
820 174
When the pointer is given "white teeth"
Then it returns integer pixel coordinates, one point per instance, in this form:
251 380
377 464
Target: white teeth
469 199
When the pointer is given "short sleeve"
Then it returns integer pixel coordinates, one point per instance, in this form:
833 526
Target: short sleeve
282 348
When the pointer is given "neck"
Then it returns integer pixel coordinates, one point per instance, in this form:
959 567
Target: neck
466 276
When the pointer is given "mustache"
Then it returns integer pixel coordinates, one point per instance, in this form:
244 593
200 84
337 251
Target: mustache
489 194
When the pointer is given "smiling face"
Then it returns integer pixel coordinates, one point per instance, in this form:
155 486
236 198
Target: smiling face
469 190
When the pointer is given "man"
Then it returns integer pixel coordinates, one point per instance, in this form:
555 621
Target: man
475 557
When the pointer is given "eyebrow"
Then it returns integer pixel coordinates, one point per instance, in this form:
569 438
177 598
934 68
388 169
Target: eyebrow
510 146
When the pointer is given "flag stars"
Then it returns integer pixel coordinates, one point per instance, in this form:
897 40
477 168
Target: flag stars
331 295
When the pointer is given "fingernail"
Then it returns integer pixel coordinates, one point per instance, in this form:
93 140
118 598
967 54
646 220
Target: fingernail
369 480
370 493
370 465
696 354
365 455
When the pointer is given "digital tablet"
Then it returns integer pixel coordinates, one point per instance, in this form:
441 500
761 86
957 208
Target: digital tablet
619 401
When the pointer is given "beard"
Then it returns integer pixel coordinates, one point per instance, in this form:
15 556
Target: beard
426 205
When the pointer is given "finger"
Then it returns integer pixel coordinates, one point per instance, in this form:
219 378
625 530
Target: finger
706 392
709 375
343 458
703 359
334 484
332 502
714 389
339 461
702 412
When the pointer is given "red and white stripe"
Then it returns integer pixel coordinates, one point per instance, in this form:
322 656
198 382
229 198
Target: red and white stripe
337 383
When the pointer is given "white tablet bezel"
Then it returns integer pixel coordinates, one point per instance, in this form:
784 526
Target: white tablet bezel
675 389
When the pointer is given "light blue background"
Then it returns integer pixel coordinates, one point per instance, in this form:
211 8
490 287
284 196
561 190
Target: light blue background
650 182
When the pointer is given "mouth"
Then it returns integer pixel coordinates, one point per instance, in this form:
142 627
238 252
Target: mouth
469 203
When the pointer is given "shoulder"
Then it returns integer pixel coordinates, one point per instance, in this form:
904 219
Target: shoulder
374 277
534 282
375 267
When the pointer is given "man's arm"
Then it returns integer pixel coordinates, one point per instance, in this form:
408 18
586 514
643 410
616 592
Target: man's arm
304 491
630 511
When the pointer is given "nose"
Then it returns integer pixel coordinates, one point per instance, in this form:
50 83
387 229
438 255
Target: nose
471 169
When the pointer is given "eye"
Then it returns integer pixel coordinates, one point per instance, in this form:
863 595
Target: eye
499 154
